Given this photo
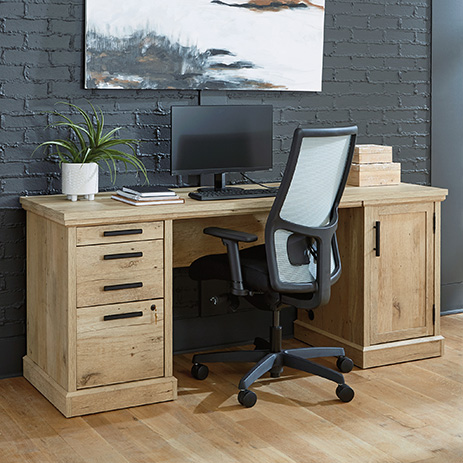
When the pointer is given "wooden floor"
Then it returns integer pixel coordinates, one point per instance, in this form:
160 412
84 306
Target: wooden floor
411 412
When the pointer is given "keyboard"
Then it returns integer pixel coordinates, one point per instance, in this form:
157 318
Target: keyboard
233 193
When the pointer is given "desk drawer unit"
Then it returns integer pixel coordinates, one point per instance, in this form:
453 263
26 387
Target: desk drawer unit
99 316
120 342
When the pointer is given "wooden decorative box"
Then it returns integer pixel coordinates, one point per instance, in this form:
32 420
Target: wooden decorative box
372 154
386 173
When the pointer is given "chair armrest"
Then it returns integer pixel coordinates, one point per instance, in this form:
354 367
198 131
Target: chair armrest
233 235
231 238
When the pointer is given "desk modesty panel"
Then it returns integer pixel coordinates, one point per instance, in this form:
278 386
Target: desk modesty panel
82 307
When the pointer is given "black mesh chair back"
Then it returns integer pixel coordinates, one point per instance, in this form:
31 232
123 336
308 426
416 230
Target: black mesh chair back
301 247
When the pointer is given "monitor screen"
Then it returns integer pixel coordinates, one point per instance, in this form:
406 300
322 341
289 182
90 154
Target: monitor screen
219 139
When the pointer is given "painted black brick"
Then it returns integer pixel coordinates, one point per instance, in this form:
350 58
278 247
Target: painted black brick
376 74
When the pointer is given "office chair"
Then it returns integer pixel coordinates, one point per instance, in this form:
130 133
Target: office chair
297 264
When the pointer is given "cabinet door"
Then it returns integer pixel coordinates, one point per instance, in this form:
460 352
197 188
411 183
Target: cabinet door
401 271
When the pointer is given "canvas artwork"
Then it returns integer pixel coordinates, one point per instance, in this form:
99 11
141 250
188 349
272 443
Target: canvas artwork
205 44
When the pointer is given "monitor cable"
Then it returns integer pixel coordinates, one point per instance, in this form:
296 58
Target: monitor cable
255 182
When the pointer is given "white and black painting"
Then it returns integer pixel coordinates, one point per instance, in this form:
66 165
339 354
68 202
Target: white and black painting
204 44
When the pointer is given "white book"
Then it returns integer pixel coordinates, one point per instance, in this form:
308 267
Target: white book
149 190
137 197
153 202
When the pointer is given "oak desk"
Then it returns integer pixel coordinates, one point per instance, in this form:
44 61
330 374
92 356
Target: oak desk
99 288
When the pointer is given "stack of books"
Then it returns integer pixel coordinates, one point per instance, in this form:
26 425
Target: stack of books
147 195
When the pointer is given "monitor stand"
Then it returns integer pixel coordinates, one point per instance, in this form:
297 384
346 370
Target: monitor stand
219 184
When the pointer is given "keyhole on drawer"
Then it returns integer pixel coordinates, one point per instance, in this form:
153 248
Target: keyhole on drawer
153 308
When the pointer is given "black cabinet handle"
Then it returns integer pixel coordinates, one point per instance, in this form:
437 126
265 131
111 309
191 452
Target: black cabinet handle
124 255
119 316
139 284
377 227
135 231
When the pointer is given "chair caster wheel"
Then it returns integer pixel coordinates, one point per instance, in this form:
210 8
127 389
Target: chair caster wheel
344 364
344 392
247 398
275 372
199 371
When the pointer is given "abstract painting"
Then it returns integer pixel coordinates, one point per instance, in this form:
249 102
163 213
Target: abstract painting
205 44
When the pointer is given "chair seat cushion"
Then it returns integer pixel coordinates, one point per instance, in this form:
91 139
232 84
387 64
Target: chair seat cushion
254 271
253 268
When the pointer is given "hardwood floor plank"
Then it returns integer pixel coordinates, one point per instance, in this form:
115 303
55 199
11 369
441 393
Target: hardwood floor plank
32 434
443 456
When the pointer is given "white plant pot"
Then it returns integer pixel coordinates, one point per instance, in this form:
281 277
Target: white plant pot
79 179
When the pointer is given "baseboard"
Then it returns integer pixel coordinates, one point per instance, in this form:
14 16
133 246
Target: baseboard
451 312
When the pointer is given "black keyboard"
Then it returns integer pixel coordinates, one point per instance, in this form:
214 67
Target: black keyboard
232 193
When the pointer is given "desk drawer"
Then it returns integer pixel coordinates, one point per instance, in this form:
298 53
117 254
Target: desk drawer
120 272
120 342
119 233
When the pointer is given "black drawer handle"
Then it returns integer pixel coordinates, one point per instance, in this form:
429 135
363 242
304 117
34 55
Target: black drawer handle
123 286
378 238
119 316
135 231
124 255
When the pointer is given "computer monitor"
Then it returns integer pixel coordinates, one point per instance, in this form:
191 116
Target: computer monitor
219 139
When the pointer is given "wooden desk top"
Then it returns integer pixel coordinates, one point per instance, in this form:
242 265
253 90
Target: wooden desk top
104 210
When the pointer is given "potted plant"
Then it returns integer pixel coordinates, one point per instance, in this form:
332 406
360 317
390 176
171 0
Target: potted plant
86 149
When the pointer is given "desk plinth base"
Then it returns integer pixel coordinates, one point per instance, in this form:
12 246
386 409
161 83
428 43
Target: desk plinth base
375 355
103 398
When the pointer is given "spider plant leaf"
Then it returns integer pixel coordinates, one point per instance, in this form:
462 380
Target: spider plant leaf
110 144
66 118
85 155
76 128
99 122
66 144
112 176
87 121
109 135
80 131
119 141
127 159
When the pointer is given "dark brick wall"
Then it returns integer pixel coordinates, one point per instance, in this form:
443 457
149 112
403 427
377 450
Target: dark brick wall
376 75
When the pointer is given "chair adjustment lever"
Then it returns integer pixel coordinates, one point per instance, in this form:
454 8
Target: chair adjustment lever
230 300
